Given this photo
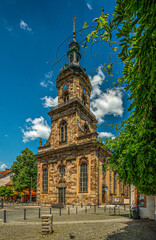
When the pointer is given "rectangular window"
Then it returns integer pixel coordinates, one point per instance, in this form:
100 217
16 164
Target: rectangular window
83 178
45 180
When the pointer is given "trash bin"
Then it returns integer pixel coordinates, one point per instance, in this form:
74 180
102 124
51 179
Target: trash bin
135 211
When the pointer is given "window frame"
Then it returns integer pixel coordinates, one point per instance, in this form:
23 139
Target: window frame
63 131
44 179
83 186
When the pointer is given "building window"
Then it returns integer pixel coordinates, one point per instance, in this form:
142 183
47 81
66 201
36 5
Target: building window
66 97
115 183
83 178
45 180
62 170
64 131
84 100
86 128
141 200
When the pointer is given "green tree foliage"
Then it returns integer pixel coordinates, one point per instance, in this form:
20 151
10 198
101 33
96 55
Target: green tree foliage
6 191
134 150
24 168
9 192
2 191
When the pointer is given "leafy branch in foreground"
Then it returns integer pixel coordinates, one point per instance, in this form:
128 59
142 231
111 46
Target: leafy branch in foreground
134 153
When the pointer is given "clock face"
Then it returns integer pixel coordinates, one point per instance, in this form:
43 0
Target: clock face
65 86
84 90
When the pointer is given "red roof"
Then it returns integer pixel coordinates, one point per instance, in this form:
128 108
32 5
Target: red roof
9 183
5 172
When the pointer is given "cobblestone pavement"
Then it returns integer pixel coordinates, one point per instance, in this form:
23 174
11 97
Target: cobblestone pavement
90 226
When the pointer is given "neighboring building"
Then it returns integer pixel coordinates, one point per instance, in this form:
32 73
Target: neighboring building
5 177
67 171
26 192
146 204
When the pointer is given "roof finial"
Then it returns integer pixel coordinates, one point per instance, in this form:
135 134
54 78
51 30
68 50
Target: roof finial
74 28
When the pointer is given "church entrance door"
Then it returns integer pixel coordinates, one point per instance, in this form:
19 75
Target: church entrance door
62 195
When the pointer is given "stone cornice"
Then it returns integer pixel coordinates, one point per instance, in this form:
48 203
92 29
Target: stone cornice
72 104
66 149
88 135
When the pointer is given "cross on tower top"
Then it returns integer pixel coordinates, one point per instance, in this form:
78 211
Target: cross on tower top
74 28
74 24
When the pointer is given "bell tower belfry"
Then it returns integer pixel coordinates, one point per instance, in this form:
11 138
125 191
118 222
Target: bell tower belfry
67 162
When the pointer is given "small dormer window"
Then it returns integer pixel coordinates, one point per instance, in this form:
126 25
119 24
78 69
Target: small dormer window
66 97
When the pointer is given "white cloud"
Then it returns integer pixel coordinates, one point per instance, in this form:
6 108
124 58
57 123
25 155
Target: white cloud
9 28
49 74
3 167
46 82
105 103
37 128
6 135
106 134
89 6
50 102
43 83
96 82
24 26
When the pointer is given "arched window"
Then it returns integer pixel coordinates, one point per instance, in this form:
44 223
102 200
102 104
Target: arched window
63 133
45 180
86 128
66 97
62 170
83 178
83 100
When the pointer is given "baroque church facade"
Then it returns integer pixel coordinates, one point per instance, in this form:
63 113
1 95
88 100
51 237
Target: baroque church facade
70 166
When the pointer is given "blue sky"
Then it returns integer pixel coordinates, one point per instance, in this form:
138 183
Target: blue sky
31 33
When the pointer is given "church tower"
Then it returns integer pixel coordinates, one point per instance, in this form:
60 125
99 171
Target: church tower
67 163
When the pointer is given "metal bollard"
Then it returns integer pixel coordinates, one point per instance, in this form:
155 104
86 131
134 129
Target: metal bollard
76 210
68 210
85 209
94 208
50 210
81 205
60 211
24 214
39 213
4 216
124 207
90 205
114 210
